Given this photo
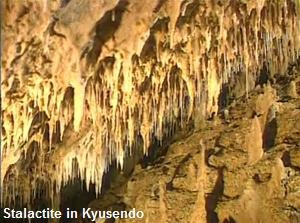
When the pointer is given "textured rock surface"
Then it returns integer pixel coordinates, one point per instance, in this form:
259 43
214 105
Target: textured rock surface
88 87
207 174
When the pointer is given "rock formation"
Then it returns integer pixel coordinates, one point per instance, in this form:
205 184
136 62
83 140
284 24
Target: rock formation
87 85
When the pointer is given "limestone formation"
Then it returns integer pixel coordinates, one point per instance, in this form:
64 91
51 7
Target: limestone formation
292 90
254 142
87 84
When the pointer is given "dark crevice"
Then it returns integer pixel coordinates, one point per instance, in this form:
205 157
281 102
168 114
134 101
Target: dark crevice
75 196
229 220
39 121
51 28
224 96
105 29
286 159
169 185
263 76
63 3
149 49
269 134
212 199
190 13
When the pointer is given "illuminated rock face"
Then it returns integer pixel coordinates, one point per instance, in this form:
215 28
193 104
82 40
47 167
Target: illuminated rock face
83 81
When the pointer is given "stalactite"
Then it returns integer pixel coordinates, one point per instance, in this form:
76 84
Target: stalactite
133 89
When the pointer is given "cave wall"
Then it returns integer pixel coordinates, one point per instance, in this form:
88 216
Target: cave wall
83 81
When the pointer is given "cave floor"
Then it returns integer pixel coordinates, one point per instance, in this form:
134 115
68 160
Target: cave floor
243 166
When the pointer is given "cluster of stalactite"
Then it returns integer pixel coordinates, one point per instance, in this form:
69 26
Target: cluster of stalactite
105 75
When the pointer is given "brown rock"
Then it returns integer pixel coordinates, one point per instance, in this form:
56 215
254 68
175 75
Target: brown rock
254 142
295 157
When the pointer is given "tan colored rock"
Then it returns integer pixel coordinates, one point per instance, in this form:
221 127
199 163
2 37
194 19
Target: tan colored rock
292 90
278 174
263 103
265 191
199 212
113 76
250 206
254 142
